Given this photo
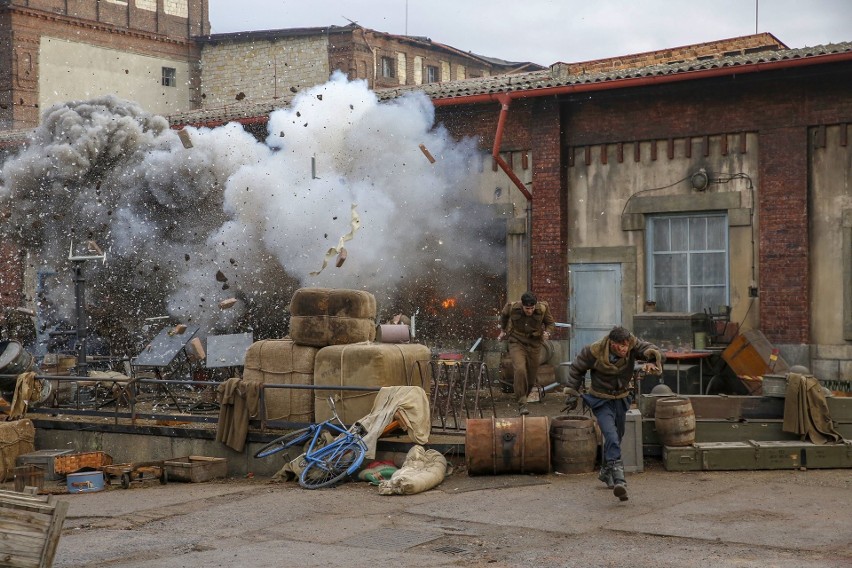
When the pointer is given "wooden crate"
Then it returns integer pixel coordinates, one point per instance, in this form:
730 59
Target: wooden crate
196 468
31 526
70 463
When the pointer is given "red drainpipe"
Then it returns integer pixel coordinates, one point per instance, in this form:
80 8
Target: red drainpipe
505 101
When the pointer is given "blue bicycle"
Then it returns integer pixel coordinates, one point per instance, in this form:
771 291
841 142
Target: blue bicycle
325 465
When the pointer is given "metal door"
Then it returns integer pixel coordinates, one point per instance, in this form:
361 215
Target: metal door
595 302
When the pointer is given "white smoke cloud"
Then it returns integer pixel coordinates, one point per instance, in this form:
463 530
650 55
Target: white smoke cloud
185 228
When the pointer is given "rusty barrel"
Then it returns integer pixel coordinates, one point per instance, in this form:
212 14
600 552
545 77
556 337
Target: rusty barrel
674 420
507 445
574 444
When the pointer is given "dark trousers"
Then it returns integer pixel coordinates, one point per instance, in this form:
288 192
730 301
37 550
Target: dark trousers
524 367
612 417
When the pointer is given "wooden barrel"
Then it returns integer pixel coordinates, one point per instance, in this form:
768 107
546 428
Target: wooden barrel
574 444
507 445
675 421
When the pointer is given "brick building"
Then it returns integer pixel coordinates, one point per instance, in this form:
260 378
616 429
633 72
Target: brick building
696 177
140 50
269 65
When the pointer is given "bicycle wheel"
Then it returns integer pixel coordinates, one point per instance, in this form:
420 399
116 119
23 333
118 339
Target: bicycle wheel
331 468
286 441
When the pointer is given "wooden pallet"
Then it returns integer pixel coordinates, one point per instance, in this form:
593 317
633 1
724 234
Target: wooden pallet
30 526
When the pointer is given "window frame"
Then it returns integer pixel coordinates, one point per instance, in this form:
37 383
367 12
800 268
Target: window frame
168 77
387 67
652 256
437 73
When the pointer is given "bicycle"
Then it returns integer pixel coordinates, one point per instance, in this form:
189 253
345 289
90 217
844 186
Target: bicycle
325 465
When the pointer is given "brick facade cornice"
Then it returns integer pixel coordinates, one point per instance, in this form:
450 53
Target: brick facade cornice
64 20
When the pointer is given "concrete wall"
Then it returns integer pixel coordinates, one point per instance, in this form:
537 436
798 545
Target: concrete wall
75 70
611 189
830 221
261 70
126 445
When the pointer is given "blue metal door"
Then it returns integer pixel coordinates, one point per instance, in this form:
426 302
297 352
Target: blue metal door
595 302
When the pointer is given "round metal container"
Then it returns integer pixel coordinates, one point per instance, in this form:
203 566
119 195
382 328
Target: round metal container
507 445
14 360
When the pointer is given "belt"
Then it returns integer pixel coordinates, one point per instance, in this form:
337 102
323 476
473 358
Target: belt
608 393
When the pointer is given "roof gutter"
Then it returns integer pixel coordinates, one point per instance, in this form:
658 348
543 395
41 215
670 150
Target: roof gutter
505 99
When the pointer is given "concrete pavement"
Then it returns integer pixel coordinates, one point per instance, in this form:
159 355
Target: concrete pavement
743 519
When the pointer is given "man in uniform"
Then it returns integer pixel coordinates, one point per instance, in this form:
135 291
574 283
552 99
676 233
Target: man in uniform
527 324
611 362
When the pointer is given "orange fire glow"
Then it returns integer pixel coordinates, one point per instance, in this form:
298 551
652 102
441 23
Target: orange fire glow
449 303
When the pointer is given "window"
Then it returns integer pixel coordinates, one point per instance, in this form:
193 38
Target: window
688 262
388 67
169 77
433 74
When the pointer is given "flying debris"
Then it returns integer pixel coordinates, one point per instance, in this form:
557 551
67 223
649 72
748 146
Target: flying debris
354 225
427 153
184 138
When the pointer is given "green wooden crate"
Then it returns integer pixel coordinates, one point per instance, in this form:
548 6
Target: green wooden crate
779 454
828 456
711 456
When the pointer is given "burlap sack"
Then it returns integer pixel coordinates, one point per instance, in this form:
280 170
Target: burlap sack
16 438
281 361
324 316
365 364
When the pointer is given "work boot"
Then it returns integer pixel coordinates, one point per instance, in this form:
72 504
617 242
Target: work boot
605 475
522 409
620 484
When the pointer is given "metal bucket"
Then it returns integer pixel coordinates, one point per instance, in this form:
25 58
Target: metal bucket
14 360
393 333
774 385
674 420
507 445
85 482
574 444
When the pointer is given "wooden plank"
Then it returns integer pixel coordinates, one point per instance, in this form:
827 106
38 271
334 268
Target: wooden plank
53 534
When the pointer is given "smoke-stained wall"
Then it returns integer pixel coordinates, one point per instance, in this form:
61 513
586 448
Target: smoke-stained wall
76 71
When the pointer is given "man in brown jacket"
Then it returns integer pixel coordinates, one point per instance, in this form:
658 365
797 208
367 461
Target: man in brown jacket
610 362
527 324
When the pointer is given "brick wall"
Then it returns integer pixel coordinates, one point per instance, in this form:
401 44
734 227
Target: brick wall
176 18
24 22
11 275
784 260
779 106
733 46
549 211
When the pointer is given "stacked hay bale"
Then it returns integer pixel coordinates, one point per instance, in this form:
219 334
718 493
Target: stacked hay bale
330 344
342 324
283 362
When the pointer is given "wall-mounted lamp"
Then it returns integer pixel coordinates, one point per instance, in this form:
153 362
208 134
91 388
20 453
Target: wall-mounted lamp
700 180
